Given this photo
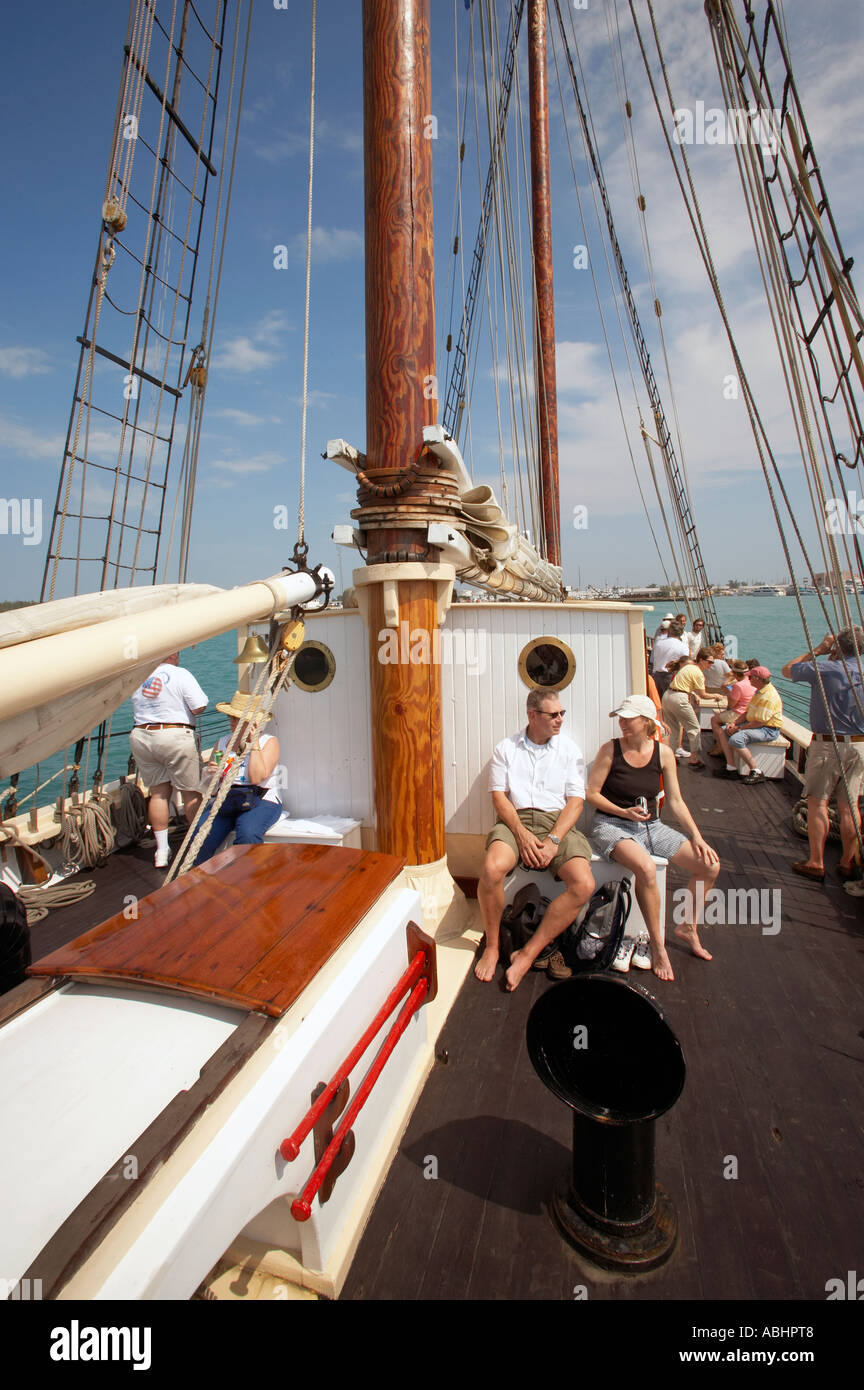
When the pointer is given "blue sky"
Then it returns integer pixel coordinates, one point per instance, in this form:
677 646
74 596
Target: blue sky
62 71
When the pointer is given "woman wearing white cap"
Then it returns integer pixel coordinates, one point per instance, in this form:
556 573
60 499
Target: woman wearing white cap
252 805
624 787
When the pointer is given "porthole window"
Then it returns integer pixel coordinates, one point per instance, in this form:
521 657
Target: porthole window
314 667
547 664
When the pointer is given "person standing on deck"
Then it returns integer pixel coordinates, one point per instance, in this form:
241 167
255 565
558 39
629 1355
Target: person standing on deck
537 781
681 706
163 745
694 638
761 724
667 648
629 769
842 706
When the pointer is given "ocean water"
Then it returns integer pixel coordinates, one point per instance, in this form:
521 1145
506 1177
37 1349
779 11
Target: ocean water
767 628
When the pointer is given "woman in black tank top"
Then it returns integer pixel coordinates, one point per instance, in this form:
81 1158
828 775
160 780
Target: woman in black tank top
625 785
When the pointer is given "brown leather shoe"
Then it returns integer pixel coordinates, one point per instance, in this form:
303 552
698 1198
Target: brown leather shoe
807 871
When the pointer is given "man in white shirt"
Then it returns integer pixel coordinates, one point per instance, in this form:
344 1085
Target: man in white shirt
163 744
537 781
667 648
694 638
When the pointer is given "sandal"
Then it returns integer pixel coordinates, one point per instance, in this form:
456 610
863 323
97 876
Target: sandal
697 766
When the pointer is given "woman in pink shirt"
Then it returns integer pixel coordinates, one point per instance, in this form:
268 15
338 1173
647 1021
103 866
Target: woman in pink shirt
739 693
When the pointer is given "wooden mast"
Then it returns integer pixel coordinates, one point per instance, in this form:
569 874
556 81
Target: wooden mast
541 213
401 591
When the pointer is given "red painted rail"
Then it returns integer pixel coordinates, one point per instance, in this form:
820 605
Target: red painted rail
290 1147
301 1207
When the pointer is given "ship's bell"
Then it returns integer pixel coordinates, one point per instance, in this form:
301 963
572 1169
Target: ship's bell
254 652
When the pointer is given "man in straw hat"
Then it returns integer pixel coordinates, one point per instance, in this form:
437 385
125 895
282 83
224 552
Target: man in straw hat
163 744
252 805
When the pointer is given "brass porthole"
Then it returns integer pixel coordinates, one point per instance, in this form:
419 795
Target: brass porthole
546 663
314 667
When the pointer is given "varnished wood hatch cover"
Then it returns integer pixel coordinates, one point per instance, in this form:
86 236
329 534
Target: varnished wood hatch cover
250 928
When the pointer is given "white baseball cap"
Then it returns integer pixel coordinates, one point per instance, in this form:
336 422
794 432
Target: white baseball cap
634 707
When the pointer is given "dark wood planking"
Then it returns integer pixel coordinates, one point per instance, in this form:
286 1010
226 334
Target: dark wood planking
82 1231
250 928
16 1001
770 1032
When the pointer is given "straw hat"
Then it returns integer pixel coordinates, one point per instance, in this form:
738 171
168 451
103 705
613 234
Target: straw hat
241 706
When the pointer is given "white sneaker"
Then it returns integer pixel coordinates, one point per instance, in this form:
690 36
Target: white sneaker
161 859
681 753
642 954
623 954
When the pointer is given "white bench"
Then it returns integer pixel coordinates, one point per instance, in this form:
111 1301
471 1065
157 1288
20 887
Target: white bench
770 758
604 871
341 831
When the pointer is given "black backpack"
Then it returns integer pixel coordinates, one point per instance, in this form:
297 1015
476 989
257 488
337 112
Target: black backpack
589 943
592 941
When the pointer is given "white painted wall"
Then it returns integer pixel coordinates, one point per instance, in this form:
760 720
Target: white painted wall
326 738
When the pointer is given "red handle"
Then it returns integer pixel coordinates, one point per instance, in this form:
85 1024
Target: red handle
301 1207
290 1147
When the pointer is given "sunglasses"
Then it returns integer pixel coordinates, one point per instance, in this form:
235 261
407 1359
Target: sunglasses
553 714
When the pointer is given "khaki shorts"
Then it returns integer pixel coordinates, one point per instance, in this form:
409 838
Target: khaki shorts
573 846
725 716
167 755
823 770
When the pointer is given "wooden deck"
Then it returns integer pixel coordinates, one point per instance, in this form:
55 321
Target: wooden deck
772 1035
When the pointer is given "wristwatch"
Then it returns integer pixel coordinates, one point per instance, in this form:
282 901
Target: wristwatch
554 839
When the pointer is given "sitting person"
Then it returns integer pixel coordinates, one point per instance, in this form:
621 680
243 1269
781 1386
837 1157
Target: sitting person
537 781
628 770
739 693
681 706
719 671
760 724
252 805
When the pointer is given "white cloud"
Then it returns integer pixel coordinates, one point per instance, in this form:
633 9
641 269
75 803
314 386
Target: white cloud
259 349
328 244
21 361
244 418
255 463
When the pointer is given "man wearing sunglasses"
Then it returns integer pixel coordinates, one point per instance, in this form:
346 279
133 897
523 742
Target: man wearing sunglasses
537 781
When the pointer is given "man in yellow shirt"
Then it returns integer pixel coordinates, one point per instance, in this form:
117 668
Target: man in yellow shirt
761 724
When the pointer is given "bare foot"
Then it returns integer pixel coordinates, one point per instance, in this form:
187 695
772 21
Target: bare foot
519 966
661 965
691 937
487 965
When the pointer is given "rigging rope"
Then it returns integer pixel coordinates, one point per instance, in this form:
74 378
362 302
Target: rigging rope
763 446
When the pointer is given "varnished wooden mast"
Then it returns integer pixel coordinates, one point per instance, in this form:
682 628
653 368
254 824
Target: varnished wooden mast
400 400
547 401
400 309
